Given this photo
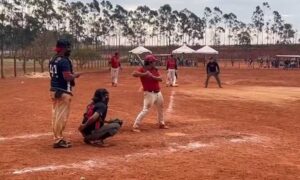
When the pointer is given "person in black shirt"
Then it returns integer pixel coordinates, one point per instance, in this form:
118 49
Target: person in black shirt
94 128
212 69
62 81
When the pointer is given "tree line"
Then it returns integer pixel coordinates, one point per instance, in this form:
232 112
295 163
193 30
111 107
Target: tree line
30 27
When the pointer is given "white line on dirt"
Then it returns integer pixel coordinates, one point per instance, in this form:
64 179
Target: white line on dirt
85 165
28 136
105 162
171 103
113 160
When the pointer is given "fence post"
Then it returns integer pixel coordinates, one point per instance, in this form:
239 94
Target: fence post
15 67
24 65
2 68
34 68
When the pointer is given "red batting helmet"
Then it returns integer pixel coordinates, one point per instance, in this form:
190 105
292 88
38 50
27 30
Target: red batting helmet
150 58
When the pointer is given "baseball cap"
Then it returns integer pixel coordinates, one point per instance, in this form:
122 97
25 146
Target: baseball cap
150 58
62 44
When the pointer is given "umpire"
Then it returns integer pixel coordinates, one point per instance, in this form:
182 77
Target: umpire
213 69
62 81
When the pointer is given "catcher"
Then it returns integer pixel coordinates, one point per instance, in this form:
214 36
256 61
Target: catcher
94 128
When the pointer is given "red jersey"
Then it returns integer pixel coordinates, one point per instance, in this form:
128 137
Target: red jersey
115 63
171 63
148 83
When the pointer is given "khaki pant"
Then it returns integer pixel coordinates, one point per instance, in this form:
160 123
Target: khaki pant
171 77
60 114
114 75
150 99
216 75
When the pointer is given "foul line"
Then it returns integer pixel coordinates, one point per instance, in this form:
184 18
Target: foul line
113 160
105 162
171 103
28 136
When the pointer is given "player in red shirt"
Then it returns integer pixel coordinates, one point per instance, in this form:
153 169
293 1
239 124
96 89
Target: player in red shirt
115 67
150 79
172 68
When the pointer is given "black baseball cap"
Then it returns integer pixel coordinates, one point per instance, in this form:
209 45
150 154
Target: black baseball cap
63 43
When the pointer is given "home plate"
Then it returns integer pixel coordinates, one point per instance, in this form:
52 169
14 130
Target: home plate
175 134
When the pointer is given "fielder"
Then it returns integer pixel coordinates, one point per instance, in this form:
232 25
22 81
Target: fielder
62 81
114 69
213 69
150 79
171 68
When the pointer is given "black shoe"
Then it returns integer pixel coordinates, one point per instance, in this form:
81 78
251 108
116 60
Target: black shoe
86 141
62 144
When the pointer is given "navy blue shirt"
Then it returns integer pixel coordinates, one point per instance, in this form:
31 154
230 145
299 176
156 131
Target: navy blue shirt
212 67
57 66
101 109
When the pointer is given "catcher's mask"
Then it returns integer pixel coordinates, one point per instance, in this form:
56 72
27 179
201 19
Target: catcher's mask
101 95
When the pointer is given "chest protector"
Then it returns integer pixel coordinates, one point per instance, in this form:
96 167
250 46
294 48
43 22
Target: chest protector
88 115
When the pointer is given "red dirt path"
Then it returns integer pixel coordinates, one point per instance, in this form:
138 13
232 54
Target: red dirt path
250 129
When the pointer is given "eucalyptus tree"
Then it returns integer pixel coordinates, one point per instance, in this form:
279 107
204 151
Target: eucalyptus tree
216 23
236 29
288 33
244 34
61 20
108 27
167 20
229 20
4 18
154 26
120 18
207 20
196 27
77 15
183 26
140 23
94 22
128 30
277 26
267 13
258 21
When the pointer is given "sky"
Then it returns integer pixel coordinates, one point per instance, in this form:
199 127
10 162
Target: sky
289 9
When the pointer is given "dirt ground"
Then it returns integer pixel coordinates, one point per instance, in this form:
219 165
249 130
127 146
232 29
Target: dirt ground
250 129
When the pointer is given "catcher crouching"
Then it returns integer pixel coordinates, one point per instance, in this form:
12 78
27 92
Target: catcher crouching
94 128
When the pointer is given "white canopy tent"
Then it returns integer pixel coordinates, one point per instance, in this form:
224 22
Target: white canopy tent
207 50
183 49
140 50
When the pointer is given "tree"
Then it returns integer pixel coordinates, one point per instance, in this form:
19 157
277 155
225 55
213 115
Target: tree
120 17
94 21
76 19
244 38
206 19
258 20
229 20
215 21
167 20
288 33
277 25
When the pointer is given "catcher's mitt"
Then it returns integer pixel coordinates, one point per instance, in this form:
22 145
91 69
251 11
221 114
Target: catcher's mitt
117 120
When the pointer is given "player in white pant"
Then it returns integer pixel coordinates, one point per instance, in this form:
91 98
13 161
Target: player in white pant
114 76
150 79
171 67
114 69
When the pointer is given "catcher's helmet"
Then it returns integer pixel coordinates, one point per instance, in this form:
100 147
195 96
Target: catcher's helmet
99 94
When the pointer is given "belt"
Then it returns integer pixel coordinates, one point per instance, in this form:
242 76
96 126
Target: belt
153 91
